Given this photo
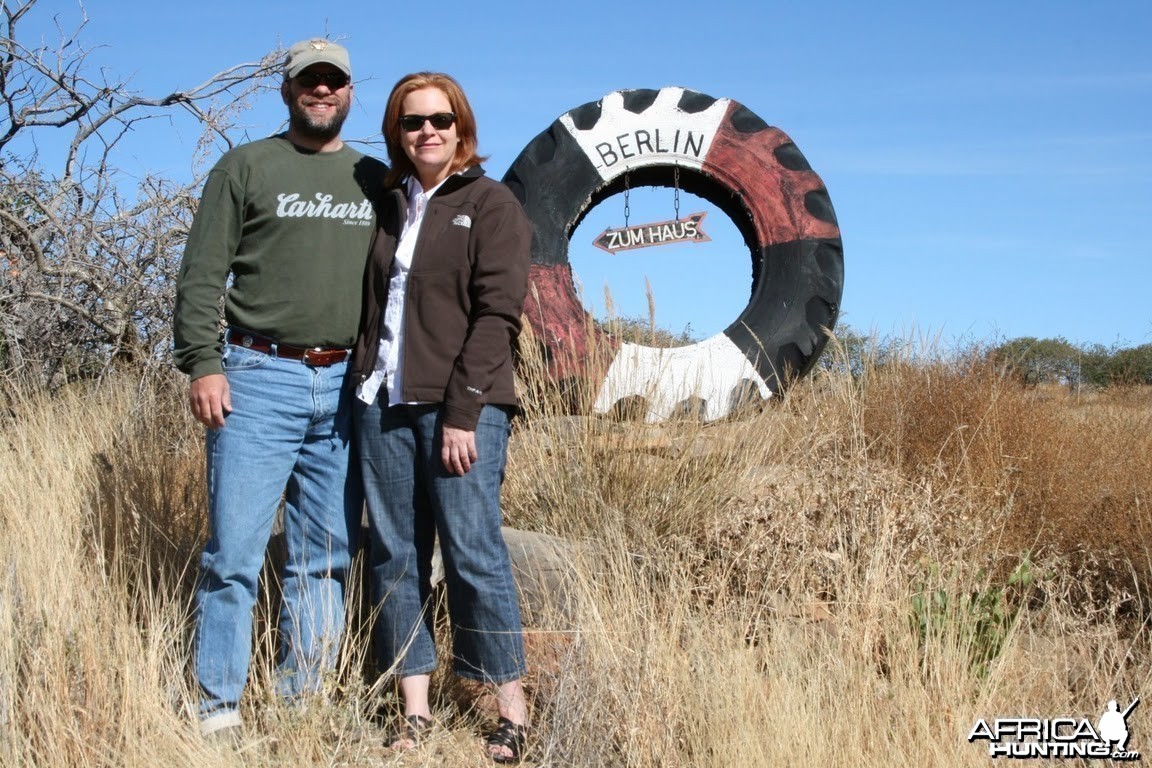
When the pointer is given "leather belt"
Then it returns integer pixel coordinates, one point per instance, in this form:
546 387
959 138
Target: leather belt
318 356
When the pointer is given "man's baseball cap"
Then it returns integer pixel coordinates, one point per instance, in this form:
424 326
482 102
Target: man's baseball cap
316 51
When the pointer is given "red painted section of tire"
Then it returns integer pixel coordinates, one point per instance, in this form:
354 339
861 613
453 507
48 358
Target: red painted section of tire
556 317
747 164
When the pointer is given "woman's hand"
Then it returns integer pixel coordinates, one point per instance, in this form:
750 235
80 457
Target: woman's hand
457 449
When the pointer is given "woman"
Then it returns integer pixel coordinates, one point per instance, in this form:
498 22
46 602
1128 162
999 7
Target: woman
445 286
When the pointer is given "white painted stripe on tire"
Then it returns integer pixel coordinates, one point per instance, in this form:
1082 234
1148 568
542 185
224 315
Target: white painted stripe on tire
662 134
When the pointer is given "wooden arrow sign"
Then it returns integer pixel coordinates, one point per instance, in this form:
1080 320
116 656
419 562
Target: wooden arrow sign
688 229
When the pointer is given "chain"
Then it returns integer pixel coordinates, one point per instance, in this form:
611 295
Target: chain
676 184
627 210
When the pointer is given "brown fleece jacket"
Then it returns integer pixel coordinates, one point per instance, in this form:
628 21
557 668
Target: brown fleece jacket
465 294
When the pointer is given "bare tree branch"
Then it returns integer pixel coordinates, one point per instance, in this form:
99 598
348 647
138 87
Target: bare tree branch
89 254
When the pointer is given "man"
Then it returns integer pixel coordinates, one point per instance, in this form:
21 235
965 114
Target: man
288 220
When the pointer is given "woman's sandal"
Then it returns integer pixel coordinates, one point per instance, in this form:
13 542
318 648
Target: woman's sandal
511 736
413 728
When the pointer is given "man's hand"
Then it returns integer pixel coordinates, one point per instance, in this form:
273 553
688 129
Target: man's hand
210 400
458 449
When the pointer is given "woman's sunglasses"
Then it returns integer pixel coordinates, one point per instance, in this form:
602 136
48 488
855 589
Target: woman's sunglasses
440 121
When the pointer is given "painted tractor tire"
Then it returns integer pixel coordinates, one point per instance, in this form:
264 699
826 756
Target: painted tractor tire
719 150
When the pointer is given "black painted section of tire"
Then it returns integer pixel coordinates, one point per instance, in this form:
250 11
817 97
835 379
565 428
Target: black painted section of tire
795 295
692 102
819 205
552 178
639 100
745 120
790 156
585 116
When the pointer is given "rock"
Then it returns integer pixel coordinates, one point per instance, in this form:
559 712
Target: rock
544 568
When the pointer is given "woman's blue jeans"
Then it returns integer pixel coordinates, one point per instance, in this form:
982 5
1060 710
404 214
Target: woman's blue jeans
411 500
288 437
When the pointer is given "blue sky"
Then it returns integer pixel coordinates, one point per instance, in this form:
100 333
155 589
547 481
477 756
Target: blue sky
990 163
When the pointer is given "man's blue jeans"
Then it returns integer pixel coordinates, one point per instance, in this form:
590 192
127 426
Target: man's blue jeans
288 436
412 499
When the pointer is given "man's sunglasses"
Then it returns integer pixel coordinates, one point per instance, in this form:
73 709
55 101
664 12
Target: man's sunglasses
440 121
334 80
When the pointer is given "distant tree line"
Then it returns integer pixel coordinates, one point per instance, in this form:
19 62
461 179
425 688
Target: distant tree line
1036 361
637 329
1031 361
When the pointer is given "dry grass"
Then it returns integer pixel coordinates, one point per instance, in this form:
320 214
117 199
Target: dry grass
744 591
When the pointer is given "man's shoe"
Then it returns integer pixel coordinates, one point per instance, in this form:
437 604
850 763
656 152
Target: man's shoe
223 729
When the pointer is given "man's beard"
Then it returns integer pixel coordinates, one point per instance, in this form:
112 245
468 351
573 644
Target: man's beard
318 128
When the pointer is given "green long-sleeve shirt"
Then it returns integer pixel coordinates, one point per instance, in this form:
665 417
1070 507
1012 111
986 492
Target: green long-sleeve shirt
292 229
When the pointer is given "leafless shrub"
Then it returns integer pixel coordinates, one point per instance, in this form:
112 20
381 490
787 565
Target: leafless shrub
87 254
